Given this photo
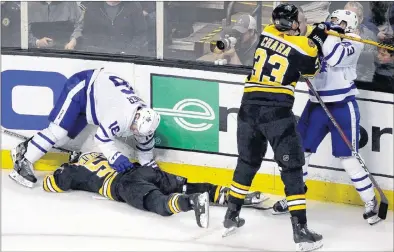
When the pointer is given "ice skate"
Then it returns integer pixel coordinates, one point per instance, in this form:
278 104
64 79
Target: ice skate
371 212
232 221
23 172
280 207
304 238
200 204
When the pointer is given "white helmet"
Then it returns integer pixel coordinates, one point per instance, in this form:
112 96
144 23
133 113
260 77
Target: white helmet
146 122
348 16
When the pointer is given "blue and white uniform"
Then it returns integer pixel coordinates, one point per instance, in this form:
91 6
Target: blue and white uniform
335 85
99 98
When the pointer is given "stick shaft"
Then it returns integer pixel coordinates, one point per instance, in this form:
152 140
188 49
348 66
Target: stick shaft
365 41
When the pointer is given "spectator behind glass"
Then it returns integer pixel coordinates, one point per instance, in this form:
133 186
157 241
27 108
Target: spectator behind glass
379 21
10 24
383 78
54 24
247 39
365 66
115 27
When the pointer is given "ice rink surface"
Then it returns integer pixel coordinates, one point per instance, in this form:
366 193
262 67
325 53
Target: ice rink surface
34 220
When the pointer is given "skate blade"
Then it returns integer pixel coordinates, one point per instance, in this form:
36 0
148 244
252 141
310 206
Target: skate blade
373 220
203 221
20 180
279 213
229 231
308 246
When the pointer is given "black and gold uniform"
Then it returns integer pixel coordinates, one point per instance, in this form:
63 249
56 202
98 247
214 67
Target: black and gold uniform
144 187
266 113
279 59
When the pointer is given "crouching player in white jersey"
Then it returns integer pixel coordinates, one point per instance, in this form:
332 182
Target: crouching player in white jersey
335 85
93 97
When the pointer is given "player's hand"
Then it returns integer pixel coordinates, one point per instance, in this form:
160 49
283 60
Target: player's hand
44 42
319 35
338 29
120 162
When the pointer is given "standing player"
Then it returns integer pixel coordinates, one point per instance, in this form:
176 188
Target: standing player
266 115
91 97
145 187
335 85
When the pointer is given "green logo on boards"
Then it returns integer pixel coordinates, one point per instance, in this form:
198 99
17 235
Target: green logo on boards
189 110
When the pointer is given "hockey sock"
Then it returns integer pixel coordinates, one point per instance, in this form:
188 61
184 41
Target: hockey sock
178 203
295 193
238 193
43 141
221 195
359 177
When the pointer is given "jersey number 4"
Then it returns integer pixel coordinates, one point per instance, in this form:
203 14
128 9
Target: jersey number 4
118 82
278 72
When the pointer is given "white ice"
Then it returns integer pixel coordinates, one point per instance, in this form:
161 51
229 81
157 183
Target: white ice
34 220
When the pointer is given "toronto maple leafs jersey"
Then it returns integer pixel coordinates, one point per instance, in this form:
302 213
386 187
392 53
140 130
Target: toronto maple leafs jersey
112 105
335 81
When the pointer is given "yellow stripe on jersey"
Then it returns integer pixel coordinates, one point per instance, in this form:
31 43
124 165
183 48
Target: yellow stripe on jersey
173 203
49 184
299 43
54 185
105 188
269 90
45 185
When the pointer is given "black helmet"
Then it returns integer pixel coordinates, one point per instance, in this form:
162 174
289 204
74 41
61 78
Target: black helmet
284 15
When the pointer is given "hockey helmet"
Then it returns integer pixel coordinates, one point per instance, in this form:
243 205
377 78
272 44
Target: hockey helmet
284 16
145 122
347 16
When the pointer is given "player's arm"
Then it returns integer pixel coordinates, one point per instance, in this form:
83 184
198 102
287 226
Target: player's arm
343 53
145 146
309 63
104 138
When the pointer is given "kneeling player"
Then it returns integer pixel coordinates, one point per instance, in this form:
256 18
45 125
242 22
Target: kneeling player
145 187
335 85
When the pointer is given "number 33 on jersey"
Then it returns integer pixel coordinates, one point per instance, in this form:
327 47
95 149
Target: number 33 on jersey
279 58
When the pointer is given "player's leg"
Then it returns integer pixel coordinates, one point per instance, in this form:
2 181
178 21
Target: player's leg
218 195
62 118
280 129
252 147
348 118
312 127
145 195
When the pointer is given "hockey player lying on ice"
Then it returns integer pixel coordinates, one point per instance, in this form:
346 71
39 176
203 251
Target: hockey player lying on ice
144 187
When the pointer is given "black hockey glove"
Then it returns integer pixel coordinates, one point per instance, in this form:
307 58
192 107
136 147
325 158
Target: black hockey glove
319 35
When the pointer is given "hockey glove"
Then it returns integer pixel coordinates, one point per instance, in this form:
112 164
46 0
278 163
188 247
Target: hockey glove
318 36
120 162
337 28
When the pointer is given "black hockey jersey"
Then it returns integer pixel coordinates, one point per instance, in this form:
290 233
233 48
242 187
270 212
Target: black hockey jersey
278 61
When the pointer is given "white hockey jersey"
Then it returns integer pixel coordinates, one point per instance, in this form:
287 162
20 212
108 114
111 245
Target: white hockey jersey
335 82
112 104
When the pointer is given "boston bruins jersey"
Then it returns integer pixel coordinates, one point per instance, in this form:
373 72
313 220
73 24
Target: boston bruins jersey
91 173
279 59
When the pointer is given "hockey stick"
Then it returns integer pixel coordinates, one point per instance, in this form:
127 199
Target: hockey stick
10 133
365 41
384 202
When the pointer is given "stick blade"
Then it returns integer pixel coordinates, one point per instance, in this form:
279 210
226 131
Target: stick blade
383 210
